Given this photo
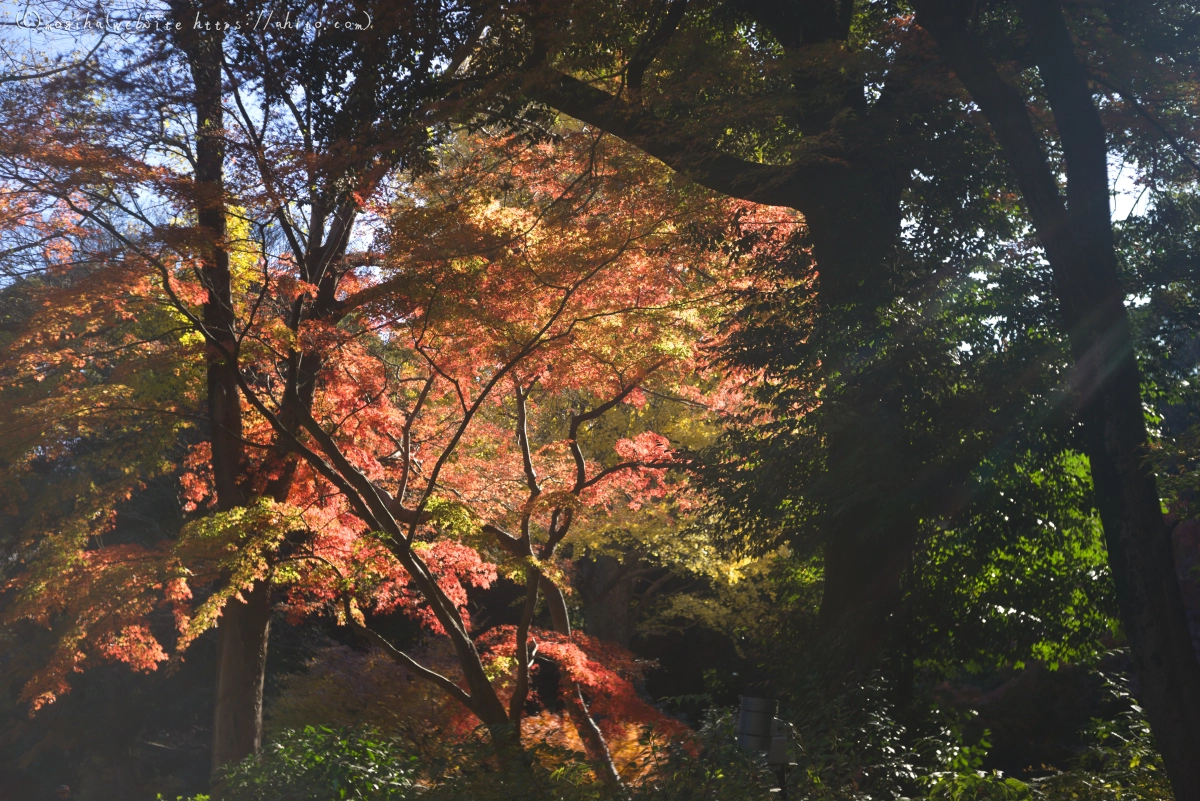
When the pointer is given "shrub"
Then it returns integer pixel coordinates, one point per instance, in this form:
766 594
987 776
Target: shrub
323 764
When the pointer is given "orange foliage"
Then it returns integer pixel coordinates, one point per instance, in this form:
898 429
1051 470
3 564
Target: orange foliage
507 301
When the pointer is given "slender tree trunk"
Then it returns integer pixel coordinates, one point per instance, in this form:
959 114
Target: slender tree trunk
594 744
1137 536
1078 241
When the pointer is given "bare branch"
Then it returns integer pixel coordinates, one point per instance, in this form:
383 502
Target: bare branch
432 676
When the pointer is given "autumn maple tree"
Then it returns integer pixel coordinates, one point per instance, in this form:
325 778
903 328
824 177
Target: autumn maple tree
536 285
507 301
388 341
145 167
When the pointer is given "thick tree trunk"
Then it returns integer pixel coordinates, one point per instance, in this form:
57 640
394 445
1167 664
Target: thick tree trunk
1078 241
876 485
241 666
607 600
244 626
862 589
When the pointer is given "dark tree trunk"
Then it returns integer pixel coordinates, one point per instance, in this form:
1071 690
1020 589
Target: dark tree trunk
1078 241
244 626
1185 542
862 589
607 596
1136 534
875 489
241 666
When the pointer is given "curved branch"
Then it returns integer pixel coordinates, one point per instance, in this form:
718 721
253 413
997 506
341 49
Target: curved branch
797 186
507 541
523 441
531 479
584 417
406 440
33 76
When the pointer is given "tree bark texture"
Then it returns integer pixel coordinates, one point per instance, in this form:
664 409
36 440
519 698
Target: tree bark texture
241 666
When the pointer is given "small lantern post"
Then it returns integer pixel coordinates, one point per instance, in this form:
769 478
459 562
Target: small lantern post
760 731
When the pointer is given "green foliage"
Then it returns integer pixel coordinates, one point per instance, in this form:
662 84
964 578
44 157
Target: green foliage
749 601
1021 573
977 785
714 768
1120 762
1157 252
848 746
322 764
851 745
545 773
961 777
453 518
236 543
1178 463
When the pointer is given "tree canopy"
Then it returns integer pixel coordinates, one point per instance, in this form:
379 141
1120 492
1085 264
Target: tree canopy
479 397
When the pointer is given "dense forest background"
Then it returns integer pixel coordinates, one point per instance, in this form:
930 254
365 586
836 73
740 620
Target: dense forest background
440 399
